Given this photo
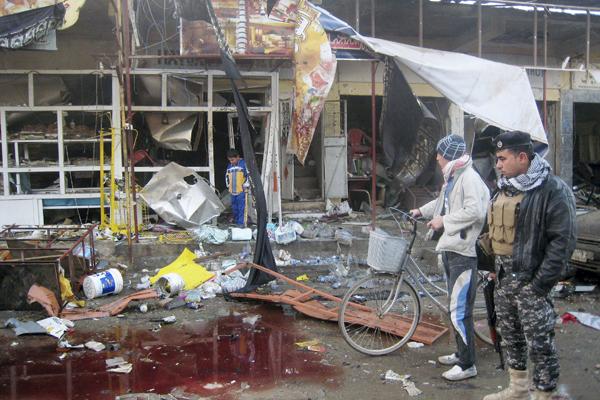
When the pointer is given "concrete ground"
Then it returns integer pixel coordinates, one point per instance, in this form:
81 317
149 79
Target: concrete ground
248 350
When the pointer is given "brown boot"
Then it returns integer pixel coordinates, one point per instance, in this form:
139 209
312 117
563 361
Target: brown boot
540 395
518 387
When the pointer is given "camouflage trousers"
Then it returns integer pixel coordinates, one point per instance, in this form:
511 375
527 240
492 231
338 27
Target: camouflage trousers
526 321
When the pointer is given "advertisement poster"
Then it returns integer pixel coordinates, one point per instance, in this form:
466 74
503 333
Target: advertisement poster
247 28
315 66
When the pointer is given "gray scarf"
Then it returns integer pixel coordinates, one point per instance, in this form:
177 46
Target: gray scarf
535 175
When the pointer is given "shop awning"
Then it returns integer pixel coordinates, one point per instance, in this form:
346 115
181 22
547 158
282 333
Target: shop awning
500 94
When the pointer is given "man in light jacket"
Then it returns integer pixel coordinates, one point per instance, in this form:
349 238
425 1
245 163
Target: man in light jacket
460 212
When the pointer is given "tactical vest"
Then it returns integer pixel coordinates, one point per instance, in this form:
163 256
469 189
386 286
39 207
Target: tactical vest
503 215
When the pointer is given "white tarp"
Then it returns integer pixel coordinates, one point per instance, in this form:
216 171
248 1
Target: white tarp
497 93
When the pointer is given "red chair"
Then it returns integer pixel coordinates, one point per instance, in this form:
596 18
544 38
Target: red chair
358 147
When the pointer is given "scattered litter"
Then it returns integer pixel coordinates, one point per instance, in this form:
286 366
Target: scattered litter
62 356
225 264
96 346
414 345
339 210
408 385
241 234
103 283
115 361
432 362
283 258
25 328
66 292
251 320
171 319
211 234
13 344
312 345
212 386
175 303
285 234
193 274
587 319
45 297
112 346
230 282
144 283
170 284
143 308
392 376
343 237
55 326
122 369
302 278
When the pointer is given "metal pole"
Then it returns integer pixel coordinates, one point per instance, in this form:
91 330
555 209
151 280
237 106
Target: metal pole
372 18
129 132
545 105
420 23
545 37
535 36
357 15
479 36
373 128
373 147
587 42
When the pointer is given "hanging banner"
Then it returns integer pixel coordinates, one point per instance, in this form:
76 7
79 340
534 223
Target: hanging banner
8 7
315 67
19 29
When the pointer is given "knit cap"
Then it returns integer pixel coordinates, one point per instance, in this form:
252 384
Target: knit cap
451 147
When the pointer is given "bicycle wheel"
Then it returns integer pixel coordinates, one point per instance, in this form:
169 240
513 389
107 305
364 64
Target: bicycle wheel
480 320
378 316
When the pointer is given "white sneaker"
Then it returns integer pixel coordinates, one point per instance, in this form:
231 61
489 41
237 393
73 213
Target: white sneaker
450 359
456 373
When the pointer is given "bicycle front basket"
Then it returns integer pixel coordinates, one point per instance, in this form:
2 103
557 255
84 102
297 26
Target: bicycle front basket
386 252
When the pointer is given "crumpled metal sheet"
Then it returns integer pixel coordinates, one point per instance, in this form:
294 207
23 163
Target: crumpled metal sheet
172 130
180 196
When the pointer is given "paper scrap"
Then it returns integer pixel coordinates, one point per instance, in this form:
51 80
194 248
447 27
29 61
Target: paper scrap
96 346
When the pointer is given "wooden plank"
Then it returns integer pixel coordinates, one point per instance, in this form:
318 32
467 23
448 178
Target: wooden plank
426 332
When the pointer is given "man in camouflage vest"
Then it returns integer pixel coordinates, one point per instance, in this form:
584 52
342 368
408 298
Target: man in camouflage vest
532 230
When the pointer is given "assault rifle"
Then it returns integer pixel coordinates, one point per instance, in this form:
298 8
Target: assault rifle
488 294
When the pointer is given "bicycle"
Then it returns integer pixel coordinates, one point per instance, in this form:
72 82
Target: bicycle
388 296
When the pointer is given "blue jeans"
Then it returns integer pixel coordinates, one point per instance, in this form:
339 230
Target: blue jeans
238 205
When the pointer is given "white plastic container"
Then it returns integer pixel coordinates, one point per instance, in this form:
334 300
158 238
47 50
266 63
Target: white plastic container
170 284
103 283
241 234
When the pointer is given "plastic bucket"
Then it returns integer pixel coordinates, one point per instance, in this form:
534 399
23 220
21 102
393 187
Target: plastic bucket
241 234
170 284
103 283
